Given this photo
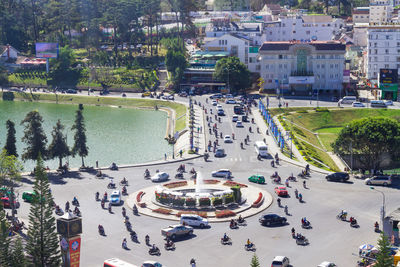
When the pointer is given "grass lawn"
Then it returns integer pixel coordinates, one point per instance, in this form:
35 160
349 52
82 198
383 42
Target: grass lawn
180 109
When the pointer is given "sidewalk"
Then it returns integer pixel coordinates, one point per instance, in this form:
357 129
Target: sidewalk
273 147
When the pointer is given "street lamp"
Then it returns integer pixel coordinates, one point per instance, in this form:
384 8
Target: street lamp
383 204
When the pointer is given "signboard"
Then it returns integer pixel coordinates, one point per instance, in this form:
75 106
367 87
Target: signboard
75 251
301 79
388 76
346 76
46 50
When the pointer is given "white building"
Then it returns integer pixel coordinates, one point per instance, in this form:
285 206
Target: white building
360 15
8 52
360 35
383 49
380 12
303 67
237 46
288 28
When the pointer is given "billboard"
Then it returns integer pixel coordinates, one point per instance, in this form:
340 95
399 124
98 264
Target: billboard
46 50
301 79
388 76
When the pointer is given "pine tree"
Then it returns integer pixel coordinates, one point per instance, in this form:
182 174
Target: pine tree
383 258
42 245
4 239
17 254
80 147
58 147
10 143
254 261
34 136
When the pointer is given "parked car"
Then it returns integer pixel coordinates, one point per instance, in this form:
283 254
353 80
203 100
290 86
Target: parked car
152 264
28 196
171 97
239 124
327 264
227 139
281 191
272 219
379 180
235 118
259 179
378 104
231 101
221 112
7 202
173 231
358 105
115 197
214 103
389 103
183 94
193 220
160 177
222 173
338 176
280 261
220 152
216 96
71 91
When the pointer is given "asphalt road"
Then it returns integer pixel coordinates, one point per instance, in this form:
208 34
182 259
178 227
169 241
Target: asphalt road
330 239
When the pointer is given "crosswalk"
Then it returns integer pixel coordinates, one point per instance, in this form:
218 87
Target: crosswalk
231 159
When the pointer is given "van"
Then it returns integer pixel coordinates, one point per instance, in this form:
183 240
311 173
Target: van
261 148
114 262
379 180
193 220
348 100
378 104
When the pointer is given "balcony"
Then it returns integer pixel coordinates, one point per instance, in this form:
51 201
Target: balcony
301 73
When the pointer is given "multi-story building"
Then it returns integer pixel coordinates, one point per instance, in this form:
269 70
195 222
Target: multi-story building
289 28
303 67
360 15
380 12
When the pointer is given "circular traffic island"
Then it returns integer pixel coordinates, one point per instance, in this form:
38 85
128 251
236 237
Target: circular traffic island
216 200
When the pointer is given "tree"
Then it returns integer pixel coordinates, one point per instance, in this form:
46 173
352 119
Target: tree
369 139
58 147
11 140
254 261
232 5
64 72
80 146
5 256
383 257
3 77
34 136
176 63
43 244
233 72
17 253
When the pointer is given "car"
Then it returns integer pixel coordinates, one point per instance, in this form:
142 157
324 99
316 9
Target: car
259 179
379 180
7 203
115 197
228 96
239 124
378 104
280 261
358 105
221 112
152 264
338 176
160 177
146 94
173 231
230 101
326 264
219 107
245 118
272 219
227 139
28 196
281 191
220 152
183 94
214 103
389 103
171 97
193 220
216 96
221 173
71 91
235 118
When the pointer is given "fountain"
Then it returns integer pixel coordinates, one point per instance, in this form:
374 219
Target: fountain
199 183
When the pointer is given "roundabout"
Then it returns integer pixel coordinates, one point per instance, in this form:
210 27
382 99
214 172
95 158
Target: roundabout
216 200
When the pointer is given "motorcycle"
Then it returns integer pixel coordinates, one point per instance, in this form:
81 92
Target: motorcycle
301 240
250 247
241 145
111 185
135 210
206 156
101 230
169 246
134 237
192 171
241 222
124 182
233 225
124 245
146 175
123 212
226 241
109 209
341 216
272 164
179 175
292 178
147 239
124 191
75 202
77 212
376 227
353 223
154 251
306 225
114 167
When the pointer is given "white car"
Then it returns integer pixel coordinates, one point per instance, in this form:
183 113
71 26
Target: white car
389 103
231 101
229 96
115 197
280 261
235 118
160 177
152 264
358 105
214 103
327 264
239 124
219 107
227 139
221 173
193 220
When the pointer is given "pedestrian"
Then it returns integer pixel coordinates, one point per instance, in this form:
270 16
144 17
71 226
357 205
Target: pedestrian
287 104
180 153
304 184
165 156
97 164
198 129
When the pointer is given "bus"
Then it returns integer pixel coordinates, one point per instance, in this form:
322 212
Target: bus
238 109
114 262
261 148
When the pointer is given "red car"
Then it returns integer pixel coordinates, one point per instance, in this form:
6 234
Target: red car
6 203
281 191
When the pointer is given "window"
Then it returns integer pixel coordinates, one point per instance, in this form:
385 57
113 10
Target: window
386 44
331 76
280 66
272 76
323 76
386 51
322 66
375 51
398 37
307 32
386 66
387 59
374 74
375 66
336 66
285 76
267 76
258 67
283 32
318 56
294 31
323 56
336 75
331 66
284 56
398 66
266 67
285 66
317 66
376 44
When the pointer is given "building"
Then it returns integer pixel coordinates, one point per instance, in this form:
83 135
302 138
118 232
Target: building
7 53
391 226
380 12
289 28
360 35
360 15
303 68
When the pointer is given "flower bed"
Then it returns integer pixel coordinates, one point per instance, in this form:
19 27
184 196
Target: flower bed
139 196
200 213
224 213
209 181
162 211
258 201
230 183
178 202
229 199
190 202
217 201
204 202
175 184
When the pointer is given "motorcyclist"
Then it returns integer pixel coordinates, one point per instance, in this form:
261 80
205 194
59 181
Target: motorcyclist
153 247
97 196
135 210
111 184
376 225
249 244
307 168
124 243
304 184
102 203
296 193
233 136
287 182
67 206
272 164
101 229
147 173
250 129
75 201
147 238
77 211
248 138
105 196
279 202
241 145
343 215
300 197
220 135
286 209
293 232
240 219
124 190
233 223
123 212
124 181
225 238
245 141
109 207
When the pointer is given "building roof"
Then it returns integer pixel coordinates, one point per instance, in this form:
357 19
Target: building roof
317 19
394 215
273 7
319 45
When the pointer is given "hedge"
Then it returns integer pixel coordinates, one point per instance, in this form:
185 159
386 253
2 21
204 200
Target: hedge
229 199
190 202
204 202
217 201
258 201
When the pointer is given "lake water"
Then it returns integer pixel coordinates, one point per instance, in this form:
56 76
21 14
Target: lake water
119 135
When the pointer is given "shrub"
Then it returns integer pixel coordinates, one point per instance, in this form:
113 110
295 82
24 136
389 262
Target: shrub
162 211
178 202
229 199
224 213
217 201
302 111
204 201
191 202
321 110
165 200
231 183
175 184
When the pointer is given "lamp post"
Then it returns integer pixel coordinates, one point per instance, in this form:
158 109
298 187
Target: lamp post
383 204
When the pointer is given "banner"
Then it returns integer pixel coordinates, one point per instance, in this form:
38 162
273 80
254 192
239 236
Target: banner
75 251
